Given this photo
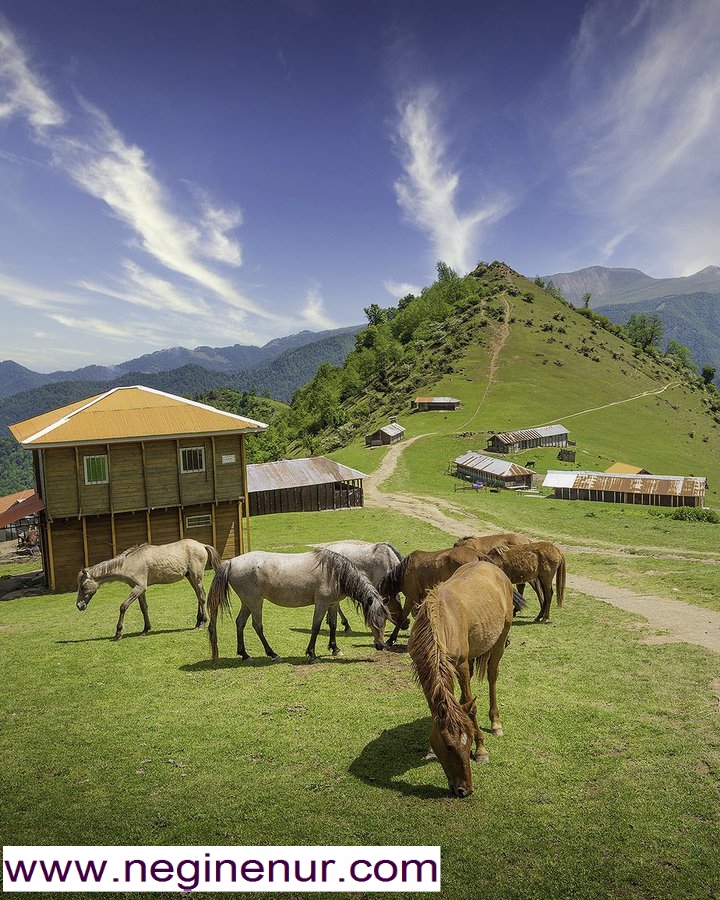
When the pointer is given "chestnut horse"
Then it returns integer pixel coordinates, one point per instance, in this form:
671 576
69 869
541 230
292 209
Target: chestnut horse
461 623
537 563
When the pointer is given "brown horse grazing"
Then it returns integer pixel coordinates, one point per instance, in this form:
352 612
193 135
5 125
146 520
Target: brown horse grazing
463 621
482 544
415 575
537 563
150 564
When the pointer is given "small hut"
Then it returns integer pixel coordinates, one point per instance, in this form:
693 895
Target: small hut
303 485
517 441
648 490
478 468
427 404
388 434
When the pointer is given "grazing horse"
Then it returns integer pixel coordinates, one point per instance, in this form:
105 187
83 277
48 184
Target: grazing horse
482 544
150 564
374 560
415 575
537 563
320 578
463 622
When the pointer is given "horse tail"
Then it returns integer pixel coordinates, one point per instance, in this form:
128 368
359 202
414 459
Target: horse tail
560 576
218 599
214 557
519 602
482 664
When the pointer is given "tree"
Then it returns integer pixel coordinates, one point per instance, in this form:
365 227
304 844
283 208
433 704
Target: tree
376 315
586 299
644 331
680 355
708 374
444 272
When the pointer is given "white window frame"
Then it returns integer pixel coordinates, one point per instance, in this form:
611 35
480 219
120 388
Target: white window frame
200 521
183 451
89 459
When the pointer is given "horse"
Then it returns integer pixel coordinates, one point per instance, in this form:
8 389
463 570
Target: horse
147 564
320 578
374 560
415 575
462 623
537 563
481 544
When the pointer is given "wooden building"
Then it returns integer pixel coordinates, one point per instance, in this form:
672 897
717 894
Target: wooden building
388 434
303 485
133 465
517 441
486 470
648 490
426 404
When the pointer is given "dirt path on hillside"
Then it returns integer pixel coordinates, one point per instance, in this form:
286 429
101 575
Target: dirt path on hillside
614 403
677 622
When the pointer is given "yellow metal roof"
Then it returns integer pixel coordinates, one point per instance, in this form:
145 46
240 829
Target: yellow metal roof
621 468
125 414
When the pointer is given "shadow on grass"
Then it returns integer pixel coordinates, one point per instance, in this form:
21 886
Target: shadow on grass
126 635
384 761
261 662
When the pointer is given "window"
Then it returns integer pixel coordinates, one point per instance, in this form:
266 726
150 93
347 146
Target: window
192 459
96 469
197 521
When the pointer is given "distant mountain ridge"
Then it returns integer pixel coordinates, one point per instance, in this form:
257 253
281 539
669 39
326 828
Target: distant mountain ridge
609 286
15 378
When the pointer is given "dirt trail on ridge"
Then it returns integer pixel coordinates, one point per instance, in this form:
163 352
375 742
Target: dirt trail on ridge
679 622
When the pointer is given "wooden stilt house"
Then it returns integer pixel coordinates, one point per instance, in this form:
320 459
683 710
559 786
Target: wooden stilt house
135 465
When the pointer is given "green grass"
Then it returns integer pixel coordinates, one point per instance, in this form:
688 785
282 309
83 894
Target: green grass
606 783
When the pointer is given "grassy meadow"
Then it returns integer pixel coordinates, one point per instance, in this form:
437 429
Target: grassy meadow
606 782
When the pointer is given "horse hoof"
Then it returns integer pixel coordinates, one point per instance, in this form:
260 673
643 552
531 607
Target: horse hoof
430 755
337 653
117 635
482 758
347 629
276 658
498 732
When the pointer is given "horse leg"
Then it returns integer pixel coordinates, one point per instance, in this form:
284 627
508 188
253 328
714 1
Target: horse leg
404 619
343 620
196 581
547 592
537 586
492 676
240 622
258 626
332 615
464 674
316 623
134 594
142 600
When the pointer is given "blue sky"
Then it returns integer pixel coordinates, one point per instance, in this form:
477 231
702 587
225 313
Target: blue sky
190 173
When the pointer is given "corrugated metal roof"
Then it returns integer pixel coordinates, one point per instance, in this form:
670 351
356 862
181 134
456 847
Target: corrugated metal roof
491 465
436 400
288 473
128 413
530 434
621 468
678 485
27 506
11 499
392 429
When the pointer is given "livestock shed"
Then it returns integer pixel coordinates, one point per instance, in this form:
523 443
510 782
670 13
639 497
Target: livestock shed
135 465
303 485
516 441
478 468
648 490
388 434
426 404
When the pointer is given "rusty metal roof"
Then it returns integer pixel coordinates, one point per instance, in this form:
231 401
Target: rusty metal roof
677 485
530 434
26 503
125 414
492 466
289 473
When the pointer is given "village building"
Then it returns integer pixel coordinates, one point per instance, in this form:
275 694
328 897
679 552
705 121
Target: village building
484 470
648 490
621 468
388 434
517 441
18 512
426 404
135 465
303 485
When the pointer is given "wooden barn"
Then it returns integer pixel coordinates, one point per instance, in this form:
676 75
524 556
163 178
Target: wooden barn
648 490
388 434
478 468
133 465
303 485
517 441
426 404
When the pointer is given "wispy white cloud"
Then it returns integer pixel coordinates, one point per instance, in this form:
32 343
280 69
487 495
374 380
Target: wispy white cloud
34 296
100 327
644 138
400 289
427 192
21 91
313 312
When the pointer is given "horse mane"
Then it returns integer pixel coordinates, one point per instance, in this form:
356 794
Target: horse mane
394 550
110 566
393 581
347 579
431 667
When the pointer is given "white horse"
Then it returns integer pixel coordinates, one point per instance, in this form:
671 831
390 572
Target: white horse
150 564
320 578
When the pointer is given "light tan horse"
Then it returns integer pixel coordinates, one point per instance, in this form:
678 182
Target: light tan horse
483 543
150 564
537 563
463 622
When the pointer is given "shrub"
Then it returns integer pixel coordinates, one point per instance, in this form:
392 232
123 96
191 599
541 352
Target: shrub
695 514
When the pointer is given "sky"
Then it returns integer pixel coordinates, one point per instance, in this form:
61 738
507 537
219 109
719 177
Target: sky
217 172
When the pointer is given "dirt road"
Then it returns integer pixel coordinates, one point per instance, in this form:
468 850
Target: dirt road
679 622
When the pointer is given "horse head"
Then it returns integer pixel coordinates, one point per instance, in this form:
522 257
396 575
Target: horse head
87 587
452 741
